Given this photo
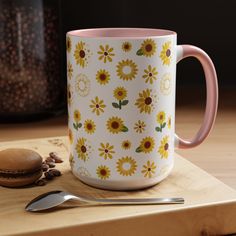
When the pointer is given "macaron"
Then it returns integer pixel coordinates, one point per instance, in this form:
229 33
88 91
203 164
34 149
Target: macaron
19 167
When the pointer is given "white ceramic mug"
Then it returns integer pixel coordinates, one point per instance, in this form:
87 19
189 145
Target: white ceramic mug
121 102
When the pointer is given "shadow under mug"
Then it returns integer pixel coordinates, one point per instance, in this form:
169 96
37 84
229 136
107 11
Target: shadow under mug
121 104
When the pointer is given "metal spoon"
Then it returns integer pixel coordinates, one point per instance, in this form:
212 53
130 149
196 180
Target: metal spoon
54 198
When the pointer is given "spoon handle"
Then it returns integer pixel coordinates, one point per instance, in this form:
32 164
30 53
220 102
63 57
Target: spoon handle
137 201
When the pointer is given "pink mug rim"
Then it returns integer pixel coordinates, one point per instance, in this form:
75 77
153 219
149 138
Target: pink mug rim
122 33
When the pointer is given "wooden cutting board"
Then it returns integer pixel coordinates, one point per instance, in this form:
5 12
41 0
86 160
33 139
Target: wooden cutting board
209 209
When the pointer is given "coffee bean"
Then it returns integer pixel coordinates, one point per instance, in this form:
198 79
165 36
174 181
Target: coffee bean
55 157
48 175
41 182
55 172
45 167
30 81
51 164
49 159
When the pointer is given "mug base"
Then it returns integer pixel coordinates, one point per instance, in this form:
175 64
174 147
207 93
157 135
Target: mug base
123 185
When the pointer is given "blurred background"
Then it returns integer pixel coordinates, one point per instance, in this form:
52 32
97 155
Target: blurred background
33 58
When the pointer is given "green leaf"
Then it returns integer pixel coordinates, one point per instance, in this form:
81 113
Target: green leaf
124 129
75 126
79 125
158 129
163 125
139 52
125 102
138 149
116 105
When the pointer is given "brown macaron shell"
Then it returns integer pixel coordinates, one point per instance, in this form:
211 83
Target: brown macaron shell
19 167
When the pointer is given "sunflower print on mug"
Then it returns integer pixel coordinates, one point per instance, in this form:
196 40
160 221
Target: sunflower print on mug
165 84
103 172
89 126
82 54
69 70
69 95
126 46
83 149
161 120
70 136
97 105
166 53
82 171
68 44
116 125
126 70
164 147
106 150
126 144
149 169
82 85
71 160
146 145
126 166
146 101
77 117
150 74
103 77
106 53
120 93
169 122
148 48
139 126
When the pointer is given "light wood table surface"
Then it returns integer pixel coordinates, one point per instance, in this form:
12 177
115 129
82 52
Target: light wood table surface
217 155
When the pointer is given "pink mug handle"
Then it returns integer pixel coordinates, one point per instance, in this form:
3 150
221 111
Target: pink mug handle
184 51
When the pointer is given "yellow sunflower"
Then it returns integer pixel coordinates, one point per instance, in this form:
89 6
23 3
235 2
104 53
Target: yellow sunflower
148 48
69 95
166 53
103 172
126 46
70 135
165 84
105 53
97 106
149 169
116 125
89 126
139 126
71 160
82 85
164 147
146 101
161 116
77 116
126 69
68 44
83 149
147 144
120 93
126 166
106 150
69 70
81 54
102 77
150 74
126 144
169 122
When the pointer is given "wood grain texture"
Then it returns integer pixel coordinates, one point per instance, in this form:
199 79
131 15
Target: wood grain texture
210 207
